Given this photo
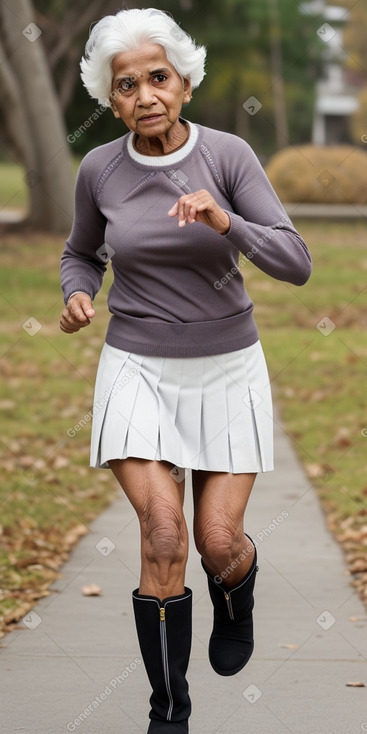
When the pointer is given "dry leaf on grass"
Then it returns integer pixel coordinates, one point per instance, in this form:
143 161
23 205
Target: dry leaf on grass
358 566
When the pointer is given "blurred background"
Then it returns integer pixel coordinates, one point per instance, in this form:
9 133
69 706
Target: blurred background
289 77
303 62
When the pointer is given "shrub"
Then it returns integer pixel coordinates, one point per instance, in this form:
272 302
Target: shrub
357 121
320 174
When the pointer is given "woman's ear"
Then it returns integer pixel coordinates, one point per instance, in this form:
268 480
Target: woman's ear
187 91
113 105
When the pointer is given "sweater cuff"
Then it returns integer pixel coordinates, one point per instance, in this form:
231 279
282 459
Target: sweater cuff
79 288
75 292
235 233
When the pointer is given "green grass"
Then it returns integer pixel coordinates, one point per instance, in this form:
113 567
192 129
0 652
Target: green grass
50 494
13 190
318 381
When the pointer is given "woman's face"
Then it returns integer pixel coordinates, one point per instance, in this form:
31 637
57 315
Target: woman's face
147 91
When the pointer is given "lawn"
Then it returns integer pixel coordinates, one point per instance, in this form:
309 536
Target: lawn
315 341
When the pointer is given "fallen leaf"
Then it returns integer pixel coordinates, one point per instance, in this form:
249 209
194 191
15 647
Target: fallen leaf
357 684
7 404
288 647
358 566
60 462
91 590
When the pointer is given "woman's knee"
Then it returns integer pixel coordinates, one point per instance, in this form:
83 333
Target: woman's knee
216 538
164 533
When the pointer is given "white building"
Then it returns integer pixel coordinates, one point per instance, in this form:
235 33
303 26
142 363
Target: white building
335 99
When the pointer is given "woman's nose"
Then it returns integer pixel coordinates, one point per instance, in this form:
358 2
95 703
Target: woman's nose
146 95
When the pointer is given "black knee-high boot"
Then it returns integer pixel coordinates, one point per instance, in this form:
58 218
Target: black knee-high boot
232 642
164 631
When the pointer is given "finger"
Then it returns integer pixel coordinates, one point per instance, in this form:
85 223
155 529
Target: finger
192 214
64 326
173 212
185 211
86 306
191 209
181 212
67 323
81 309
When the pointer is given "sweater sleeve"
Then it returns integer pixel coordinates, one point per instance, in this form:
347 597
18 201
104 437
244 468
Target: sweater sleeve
260 227
82 268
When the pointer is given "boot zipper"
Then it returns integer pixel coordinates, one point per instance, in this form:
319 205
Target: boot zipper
228 596
163 631
229 605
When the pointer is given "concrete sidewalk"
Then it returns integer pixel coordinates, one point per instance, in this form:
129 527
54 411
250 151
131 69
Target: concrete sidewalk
81 653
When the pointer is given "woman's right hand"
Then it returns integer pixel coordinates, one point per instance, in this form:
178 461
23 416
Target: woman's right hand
77 313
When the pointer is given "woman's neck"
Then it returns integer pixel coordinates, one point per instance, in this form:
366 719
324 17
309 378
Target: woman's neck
174 139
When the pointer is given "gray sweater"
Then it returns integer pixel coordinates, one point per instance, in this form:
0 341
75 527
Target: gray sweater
178 292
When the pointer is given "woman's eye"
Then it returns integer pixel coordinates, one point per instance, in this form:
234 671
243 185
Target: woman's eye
160 77
125 86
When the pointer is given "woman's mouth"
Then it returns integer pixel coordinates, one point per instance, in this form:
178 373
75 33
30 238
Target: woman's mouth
150 118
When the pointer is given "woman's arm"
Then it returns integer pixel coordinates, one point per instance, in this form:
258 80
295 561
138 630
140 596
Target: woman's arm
260 227
82 262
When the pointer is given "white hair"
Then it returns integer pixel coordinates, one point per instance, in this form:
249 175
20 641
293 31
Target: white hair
127 30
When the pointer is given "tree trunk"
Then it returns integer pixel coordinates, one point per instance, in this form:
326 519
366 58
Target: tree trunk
47 160
278 86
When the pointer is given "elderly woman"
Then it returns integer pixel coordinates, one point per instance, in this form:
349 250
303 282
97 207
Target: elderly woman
182 381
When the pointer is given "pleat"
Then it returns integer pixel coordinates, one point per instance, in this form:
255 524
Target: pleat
143 428
212 413
239 418
189 411
215 420
169 445
111 363
262 406
119 410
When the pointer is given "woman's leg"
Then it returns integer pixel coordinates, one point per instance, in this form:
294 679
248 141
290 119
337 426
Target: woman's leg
158 501
229 559
162 604
220 501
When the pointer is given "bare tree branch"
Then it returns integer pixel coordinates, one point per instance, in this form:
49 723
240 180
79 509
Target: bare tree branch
72 27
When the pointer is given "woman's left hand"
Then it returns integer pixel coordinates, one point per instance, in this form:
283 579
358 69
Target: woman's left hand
201 207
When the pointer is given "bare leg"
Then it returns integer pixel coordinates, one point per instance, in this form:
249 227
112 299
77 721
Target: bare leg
220 501
158 501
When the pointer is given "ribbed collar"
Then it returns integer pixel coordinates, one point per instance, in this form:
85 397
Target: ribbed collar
165 160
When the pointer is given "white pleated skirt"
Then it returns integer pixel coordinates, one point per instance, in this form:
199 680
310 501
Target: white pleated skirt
212 413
